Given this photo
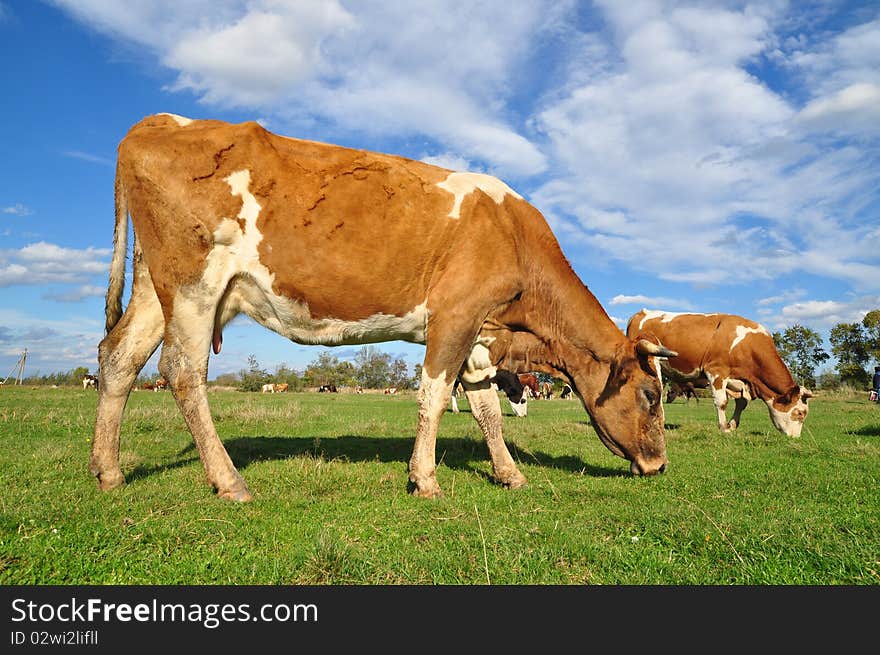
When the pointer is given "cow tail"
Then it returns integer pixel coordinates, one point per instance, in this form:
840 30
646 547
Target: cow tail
113 307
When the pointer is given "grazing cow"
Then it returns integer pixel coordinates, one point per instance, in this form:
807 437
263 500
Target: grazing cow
148 386
517 393
90 382
686 389
733 355
390 391
160 384
565 394
546 391
328 245
268 388
327 388
281 387
530 382
509 383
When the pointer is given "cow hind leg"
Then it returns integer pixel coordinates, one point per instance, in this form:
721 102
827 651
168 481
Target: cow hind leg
184 363
121 356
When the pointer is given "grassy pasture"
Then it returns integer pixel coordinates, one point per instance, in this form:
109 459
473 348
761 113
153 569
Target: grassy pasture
329 474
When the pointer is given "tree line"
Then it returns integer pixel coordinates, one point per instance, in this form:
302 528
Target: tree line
854 345
371 369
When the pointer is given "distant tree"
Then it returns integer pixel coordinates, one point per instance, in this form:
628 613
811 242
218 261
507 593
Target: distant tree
849 344
398 374
373 367
227 380
285 374
829 381
801 350
871 323
417 376
253 377
328 369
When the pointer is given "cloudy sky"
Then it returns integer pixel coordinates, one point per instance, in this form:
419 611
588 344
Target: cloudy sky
690 156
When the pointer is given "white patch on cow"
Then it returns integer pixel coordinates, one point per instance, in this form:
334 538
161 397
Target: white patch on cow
789 422
462 184
665 317
183 121
520 409
432 391
478 366
742 331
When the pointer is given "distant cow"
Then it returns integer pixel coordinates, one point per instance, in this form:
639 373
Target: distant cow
506 382
530 382
281 387
732 355
546 391
160 384
269 387
90 382
327 388
517 393
566 392
390 391
686 389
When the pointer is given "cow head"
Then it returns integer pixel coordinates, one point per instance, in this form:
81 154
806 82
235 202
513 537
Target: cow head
627 411
789 411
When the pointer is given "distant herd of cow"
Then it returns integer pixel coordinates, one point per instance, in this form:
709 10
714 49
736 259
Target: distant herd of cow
327 245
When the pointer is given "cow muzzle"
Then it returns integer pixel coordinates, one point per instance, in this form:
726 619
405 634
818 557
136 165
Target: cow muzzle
648 468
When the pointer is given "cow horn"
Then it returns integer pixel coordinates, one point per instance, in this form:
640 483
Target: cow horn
646 347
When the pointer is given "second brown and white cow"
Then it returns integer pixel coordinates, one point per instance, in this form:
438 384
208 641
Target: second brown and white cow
734 356
327 245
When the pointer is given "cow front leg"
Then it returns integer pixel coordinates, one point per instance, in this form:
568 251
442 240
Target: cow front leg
486 409
719 398
433 397
738 407
184 363
121 356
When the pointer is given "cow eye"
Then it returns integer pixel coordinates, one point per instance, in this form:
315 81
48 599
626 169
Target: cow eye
649 396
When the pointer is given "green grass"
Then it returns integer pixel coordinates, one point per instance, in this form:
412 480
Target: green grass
329 474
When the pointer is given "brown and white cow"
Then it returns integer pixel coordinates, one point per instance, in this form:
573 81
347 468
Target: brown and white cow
530 382
90 382
736 357
329 245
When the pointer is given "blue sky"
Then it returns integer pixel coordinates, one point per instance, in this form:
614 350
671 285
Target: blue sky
704 156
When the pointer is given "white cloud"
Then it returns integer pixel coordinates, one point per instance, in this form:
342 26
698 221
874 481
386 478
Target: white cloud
787 296
42 262
444 70
676 148
824 314
78 294
17 209
651 301
854 109
85 156
53 344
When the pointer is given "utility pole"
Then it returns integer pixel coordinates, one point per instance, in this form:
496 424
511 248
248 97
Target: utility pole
20 366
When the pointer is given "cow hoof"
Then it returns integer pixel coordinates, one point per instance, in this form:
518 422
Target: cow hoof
425 489
110 481
515 482
241 495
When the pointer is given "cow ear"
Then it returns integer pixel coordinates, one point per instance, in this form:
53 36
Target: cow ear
806 393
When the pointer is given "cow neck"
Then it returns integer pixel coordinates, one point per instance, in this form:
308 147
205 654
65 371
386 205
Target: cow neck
569 318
